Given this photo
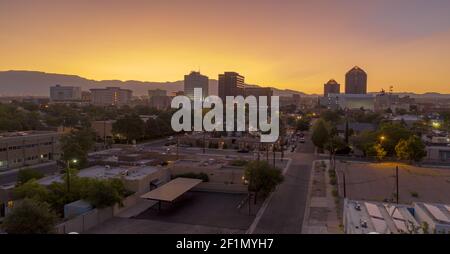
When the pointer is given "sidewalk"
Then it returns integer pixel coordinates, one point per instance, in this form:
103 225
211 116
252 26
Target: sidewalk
321 212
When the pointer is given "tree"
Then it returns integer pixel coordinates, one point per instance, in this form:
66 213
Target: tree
379 151
76 145
26 174
411 149
393 133
331 116
130 127
320 134
32 190
365 141
302 124
30 217
262 178
333 144
103 193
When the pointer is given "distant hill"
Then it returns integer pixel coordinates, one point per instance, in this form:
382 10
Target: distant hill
35 83
38 83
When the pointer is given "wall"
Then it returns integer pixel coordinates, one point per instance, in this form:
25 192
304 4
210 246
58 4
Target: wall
94 217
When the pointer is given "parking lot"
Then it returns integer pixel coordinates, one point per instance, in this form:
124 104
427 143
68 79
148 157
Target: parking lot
195 213
207 209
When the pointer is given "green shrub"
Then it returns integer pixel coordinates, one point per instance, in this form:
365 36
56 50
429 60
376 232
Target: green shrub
30 217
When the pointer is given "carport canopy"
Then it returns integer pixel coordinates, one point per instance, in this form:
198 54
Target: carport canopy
172 190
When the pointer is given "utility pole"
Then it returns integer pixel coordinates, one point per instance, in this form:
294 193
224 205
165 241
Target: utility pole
104 134
178 145
273 149
68 176
396 177
345 187
204 143
259 150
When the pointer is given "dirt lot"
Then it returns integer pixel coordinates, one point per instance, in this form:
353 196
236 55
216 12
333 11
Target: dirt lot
376 181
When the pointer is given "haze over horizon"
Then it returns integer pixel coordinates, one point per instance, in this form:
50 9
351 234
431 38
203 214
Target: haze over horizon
296 45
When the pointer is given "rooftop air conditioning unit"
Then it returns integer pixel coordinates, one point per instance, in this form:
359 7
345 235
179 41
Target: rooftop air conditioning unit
364 224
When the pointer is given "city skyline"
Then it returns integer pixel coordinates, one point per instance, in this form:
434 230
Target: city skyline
287 45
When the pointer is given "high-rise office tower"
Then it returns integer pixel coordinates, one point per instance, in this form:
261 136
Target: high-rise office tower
230 84
195 80
356 81
331 87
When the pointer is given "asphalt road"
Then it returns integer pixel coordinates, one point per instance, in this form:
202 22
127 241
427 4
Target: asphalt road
11 176
285 210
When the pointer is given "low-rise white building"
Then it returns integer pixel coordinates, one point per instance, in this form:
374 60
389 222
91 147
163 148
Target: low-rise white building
370 217
438 153
435 216
137 179
362 217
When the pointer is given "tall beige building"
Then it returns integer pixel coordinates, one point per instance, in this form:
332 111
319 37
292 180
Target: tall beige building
110 96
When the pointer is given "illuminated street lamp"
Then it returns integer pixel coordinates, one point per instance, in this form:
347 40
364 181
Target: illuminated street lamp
74 161
382 138
436 125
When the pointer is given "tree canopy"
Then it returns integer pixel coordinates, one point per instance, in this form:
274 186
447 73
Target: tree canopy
411 149
320 134
262 177
30 217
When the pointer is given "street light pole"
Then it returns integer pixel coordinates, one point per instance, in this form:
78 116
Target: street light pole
68 173
68 176
396 176
273 150
345 187
204 143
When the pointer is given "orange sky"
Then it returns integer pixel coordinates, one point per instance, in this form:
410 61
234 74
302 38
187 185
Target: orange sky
286 44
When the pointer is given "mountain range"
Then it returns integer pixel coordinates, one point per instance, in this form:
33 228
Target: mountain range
36 83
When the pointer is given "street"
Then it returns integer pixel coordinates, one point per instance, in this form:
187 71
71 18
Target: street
10 176
285 208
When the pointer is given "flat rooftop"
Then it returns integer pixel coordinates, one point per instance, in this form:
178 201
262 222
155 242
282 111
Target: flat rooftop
362 217
172 190
103 172
439 213
25 134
